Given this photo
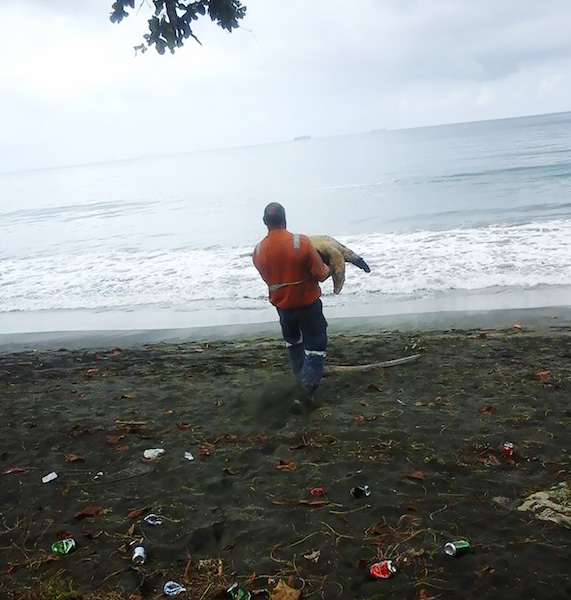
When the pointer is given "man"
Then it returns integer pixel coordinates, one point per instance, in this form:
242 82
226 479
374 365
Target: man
292 268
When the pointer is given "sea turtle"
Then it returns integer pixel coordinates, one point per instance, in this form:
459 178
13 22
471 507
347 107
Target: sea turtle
336 255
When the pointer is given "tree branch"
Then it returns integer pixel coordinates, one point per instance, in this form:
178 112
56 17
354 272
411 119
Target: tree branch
170 24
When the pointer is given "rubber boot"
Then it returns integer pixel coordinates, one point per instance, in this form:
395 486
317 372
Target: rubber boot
296 360
311 373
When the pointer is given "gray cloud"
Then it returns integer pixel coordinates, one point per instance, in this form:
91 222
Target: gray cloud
67 8
75 92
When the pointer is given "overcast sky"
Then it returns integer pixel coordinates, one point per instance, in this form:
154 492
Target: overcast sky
72 89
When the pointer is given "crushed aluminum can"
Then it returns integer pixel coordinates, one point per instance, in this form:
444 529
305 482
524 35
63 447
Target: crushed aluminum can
361 491
456 548
238 593
317 491
153 520
139 556
508 449
49 477
383 569
64 546
152 453
172 588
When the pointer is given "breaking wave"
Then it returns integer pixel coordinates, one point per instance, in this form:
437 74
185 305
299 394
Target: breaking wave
419 264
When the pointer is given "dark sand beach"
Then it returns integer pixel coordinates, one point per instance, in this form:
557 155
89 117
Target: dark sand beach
425 436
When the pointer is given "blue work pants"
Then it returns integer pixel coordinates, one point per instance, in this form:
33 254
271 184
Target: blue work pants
305 333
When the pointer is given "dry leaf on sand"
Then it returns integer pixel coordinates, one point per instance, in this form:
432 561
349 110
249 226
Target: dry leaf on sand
286 465
282 591
74 458
137 512
13 470
205 449
90 511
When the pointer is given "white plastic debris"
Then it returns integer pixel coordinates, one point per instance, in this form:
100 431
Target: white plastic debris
153 520
49 477
172 588
153 453
188 456
313 555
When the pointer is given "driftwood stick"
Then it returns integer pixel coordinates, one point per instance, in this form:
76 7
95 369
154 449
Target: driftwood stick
371 367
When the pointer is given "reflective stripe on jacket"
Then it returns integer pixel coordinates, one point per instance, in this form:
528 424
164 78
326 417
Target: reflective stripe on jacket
291 267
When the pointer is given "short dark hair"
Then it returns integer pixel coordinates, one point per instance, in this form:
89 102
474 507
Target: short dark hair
274 215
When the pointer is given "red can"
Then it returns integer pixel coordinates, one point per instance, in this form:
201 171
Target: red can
508 449
317 491
383 569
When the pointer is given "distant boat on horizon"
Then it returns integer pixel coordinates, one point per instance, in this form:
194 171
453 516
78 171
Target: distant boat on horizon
301 138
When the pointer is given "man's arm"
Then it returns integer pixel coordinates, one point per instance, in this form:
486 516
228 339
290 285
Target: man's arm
258 262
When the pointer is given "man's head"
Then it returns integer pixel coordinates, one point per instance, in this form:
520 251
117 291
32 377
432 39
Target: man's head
274 216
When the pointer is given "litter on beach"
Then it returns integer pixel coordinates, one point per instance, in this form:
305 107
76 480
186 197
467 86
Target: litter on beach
153 520
172 588
49 477
153 453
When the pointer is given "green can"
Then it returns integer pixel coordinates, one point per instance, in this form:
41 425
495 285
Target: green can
238 593
456 548
63 546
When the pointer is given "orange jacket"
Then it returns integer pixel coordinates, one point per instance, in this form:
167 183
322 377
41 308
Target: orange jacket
291 267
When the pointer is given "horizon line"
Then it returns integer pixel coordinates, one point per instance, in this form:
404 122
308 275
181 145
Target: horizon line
222 148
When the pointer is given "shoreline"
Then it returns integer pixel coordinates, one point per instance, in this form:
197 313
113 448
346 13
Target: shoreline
207 319
542 318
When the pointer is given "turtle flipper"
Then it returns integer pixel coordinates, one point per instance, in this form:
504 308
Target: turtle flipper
351 257
359 262
337 264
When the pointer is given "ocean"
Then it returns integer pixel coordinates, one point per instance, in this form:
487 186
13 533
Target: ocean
454 217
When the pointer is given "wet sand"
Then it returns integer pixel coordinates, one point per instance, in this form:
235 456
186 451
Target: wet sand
426 437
